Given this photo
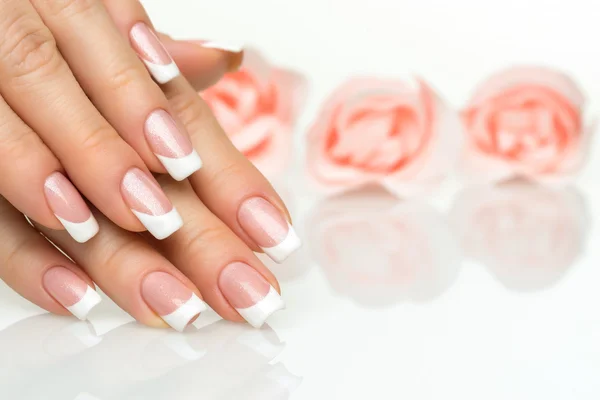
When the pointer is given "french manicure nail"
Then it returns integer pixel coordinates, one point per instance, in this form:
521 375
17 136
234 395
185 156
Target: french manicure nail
268 228
149 204
69 208
71 291
176 304
225 46
171 145
153 53
249 293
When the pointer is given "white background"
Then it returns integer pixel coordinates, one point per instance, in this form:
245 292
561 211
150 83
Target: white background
478 339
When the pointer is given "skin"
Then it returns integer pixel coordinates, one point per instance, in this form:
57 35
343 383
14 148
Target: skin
72 89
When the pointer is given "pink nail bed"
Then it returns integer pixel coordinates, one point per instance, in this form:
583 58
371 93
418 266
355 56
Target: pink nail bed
149 204
249 293
69 208
176 304
153 53
171 145
266 225
71 291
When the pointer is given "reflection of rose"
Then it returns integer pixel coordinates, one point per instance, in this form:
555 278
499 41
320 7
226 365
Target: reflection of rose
525 122
257 107
527 235
394 133
379 251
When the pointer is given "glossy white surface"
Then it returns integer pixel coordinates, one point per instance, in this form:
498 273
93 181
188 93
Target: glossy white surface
474 293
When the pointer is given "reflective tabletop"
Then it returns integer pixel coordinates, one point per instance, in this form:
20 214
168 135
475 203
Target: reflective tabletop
484 291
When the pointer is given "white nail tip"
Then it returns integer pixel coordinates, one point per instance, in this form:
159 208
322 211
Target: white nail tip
163 73
181 168
161 226
82 331
181 317
82 308
258 313
256 340
231 47
81 231
284 249
182 348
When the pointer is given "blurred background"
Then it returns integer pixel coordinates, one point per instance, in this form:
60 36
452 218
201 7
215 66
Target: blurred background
444 286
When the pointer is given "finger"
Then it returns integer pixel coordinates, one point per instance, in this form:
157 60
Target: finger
228 184
232 280
135 276
38 85
32 181
203 63
119 85
39 272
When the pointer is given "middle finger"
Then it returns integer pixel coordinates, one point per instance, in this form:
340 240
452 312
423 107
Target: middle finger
39 86
119 85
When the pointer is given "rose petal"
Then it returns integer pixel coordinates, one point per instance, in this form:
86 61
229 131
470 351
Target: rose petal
525 75
351 119
292 91
523 122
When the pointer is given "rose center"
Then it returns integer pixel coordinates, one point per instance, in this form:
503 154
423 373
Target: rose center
394 137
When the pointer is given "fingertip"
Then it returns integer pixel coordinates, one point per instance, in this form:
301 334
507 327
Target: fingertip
202 66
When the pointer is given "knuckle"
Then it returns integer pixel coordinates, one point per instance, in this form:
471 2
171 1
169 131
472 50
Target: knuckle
192 111
124 76
13 258
29 47
199 239
69 7
98 140
18 146
115 256
226 175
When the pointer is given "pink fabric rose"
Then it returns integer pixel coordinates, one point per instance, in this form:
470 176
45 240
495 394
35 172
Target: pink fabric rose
397 134
257 106
525 122
527 235
379 251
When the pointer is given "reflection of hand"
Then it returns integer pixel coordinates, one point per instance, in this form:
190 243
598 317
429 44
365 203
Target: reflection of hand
528 235
380 251
133 362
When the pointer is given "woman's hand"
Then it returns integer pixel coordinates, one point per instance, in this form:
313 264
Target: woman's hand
82 116
229 208
155 281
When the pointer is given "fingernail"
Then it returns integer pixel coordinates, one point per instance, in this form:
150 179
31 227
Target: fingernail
176 304
236 49
225 46
171 145
268 228
249 293
153 53
69 208
150 204
71 291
